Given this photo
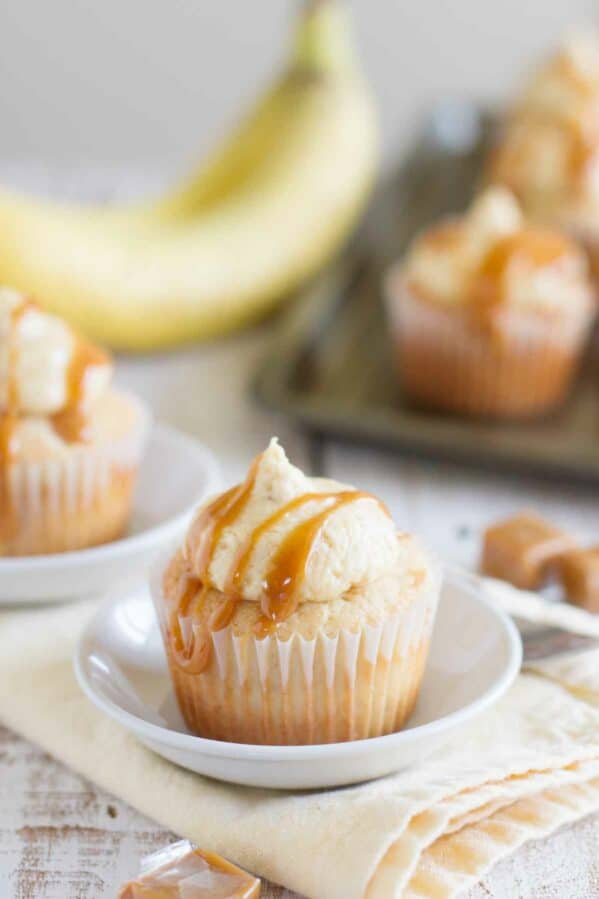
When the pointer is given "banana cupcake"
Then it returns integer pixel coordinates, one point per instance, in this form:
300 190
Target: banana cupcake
69 444
295 612
489 316
548 153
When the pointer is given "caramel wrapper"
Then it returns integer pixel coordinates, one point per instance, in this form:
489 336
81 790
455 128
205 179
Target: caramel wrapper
182 871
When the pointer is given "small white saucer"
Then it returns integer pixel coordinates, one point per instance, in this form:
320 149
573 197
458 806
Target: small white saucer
475 655
175 474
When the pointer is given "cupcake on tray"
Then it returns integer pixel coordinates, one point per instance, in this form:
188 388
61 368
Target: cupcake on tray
548 152
69 444
295 612
489 315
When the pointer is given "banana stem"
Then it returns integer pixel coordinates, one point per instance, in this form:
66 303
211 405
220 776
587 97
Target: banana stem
322 38
311 5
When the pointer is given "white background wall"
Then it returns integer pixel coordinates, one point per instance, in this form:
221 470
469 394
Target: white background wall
151 82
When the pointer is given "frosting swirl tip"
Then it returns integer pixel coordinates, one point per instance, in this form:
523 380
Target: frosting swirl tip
42 360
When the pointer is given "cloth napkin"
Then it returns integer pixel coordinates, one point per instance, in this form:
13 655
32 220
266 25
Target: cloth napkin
521 770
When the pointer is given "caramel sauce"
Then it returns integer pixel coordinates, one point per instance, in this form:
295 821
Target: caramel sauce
534 248
7 427
207 527
288 567
218 515
285 574
240 565
192 657
271 615
583 147
71 423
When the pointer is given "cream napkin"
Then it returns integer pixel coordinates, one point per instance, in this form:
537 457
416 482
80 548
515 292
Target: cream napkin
524 768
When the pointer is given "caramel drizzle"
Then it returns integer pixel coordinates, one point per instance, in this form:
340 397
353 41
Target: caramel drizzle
208 527
536 248
71 423
283 580
288 569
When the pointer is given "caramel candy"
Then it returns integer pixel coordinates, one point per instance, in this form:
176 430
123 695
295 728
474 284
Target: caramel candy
522 549
579 574
181 872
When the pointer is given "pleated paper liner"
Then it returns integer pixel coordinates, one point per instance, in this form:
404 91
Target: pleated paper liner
75 500
331 688
520 366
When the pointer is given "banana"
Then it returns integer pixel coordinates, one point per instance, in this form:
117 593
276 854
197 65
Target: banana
264 212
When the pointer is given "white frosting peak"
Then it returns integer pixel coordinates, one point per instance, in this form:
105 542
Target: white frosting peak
580 46
492 215
36 350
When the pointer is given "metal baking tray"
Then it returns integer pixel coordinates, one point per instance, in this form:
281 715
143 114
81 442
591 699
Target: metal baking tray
330 366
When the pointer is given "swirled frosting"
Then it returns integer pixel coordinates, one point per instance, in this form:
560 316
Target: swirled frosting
566 86
285 533
489 256
41 361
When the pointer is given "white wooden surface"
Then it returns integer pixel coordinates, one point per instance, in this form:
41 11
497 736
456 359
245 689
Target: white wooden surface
60 838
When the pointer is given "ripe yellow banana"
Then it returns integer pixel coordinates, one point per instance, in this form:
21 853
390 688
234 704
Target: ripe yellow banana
264 213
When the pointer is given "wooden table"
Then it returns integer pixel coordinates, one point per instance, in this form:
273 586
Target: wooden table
61 838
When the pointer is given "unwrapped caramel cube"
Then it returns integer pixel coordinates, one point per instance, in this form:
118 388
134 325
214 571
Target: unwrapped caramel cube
579 574
183 872
523 549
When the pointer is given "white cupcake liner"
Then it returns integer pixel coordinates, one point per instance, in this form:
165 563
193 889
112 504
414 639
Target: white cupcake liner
78 499
351 685
521 366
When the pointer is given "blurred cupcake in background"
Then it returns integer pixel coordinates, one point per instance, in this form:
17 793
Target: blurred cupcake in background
295 612
548 151
489 316
69 444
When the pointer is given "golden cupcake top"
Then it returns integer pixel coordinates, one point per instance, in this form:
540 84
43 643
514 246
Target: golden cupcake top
490 258
49 378
549 152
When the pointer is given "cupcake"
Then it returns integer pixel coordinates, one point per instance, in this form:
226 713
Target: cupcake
69 444
295 612
489 316
548 152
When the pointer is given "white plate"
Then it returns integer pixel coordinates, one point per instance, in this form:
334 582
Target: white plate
475 656
175 474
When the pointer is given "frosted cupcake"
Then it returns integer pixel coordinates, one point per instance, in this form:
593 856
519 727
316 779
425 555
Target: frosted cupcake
295 612
69 444
548 154
489 316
